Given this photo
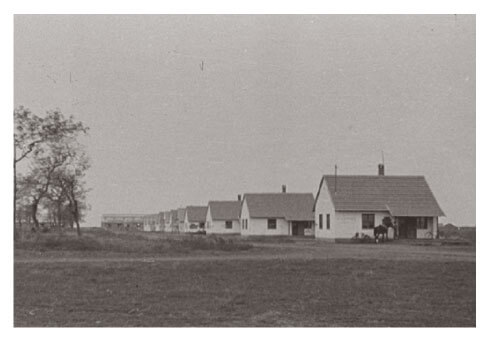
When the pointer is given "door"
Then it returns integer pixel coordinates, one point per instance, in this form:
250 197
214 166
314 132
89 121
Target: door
297 229
407 227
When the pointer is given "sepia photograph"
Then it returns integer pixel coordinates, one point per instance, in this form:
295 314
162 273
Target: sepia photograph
244 170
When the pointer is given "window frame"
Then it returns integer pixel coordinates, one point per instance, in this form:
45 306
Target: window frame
269 220
228 224
363 221
422 223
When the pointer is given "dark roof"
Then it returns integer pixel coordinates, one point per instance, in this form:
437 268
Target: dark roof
196 213
225 210
400 195
290 206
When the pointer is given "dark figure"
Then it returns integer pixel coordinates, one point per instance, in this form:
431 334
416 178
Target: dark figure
380 230
387 222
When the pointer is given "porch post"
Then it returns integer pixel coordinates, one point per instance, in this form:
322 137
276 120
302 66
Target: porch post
435 227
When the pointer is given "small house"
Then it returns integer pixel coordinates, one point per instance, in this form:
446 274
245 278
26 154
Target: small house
153 222
349 206
277 214
194 219
223 217
167 221
180 220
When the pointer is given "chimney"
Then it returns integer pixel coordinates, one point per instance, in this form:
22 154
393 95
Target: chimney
239 197
284 188
381 169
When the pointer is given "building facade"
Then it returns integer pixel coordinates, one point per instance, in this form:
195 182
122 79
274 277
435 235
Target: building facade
351 206
123 221
223 217
273 214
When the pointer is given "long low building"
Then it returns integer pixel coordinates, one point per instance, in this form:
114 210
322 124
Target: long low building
123 221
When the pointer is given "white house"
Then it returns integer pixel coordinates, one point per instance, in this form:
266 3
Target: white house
167 218
180 220
347 205
223 217
277 214
194 220
154 222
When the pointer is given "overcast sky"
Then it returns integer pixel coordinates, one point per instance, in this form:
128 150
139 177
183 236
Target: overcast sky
279 100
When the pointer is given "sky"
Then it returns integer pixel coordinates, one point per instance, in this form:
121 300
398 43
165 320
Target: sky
187 109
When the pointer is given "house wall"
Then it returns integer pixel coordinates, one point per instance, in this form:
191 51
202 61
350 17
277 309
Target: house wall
259 226
349 223
324 206
431 231
219 227
184 226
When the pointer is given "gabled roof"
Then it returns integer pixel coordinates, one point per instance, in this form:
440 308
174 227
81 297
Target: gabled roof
400 195
225 210
290 206
196 213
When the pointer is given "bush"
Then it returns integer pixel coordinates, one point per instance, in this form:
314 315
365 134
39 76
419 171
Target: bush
128 243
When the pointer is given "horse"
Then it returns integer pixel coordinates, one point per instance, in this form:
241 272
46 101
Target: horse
380 230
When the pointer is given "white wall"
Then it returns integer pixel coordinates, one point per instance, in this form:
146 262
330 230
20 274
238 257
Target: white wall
324 206
349 223
431 231
219 227
259 226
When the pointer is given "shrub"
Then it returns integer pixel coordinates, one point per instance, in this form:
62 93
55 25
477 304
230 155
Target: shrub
128 243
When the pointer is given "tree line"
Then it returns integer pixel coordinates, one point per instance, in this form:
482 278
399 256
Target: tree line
50 165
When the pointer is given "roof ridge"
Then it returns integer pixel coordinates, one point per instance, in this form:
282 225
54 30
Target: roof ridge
377 176
278 193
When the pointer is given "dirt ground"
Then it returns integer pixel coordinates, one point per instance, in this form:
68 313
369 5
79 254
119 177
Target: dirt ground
304 283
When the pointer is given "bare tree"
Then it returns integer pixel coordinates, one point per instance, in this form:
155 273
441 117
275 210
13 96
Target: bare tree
42 174
32 133
74 186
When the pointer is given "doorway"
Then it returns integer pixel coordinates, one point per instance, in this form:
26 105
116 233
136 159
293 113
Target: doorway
407 227
298 228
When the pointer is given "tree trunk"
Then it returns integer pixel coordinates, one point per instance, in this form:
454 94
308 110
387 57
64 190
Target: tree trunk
15 195
59 218
34 214
75 216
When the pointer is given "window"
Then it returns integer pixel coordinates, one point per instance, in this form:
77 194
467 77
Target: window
229 224
368 221
422 222
246 224
272 223
327 222
320 221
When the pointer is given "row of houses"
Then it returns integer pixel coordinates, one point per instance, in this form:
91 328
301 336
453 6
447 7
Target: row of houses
344 206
